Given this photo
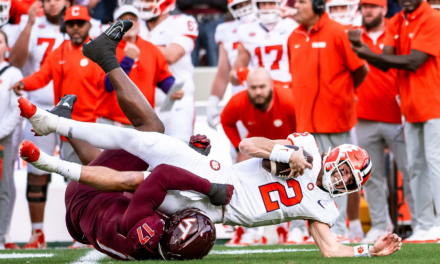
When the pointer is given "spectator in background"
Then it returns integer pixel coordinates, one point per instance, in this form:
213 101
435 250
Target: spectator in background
325 73
393 8
72 73
144 64
412 46
39 37
19 8
9 119
209 14
379 123
435 4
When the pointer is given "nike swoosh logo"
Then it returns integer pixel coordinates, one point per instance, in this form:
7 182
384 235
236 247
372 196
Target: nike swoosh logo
62 62
297 46
319 202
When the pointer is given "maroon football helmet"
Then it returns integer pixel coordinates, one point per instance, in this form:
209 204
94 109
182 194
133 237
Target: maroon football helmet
189 234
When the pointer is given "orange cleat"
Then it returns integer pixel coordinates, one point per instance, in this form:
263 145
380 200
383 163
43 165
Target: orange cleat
37 240
11 246
27 109
29 151
78 245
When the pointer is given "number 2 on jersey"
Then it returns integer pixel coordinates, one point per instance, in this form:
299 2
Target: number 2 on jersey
51 42
267 50
270 205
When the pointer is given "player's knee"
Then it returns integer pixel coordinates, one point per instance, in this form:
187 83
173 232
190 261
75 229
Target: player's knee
36 193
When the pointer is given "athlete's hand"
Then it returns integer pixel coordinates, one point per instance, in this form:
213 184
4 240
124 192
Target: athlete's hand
286 11
201 144
242 74
33 10
177 95
354 35
132 51
386 245
212 111
298 163
18 87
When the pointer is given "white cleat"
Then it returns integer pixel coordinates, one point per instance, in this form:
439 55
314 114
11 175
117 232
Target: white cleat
43 122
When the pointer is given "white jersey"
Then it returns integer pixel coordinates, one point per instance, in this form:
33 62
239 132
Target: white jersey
13 32
183 30
226 33
260 198
268 49
45 37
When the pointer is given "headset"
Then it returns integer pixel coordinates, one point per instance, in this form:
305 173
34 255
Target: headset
318 6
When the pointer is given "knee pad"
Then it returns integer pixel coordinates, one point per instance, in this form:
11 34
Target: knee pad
36 193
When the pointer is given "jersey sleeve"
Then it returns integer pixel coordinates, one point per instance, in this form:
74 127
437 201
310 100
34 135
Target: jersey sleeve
305 140
428 38
219 35
12 116
146 234
242 33
186 31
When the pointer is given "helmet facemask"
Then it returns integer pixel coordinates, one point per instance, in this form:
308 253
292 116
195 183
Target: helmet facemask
245 13
152 9
268 16
4 11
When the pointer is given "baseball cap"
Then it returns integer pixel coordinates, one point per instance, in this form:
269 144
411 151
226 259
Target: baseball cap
124 9
382 3
77 12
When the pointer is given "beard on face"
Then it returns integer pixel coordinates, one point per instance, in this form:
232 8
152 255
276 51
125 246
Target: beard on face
264 104
374 23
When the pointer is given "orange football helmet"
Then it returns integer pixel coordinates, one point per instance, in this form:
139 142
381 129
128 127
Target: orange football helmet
357 160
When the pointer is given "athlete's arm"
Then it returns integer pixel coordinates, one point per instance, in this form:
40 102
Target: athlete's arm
108 180
329 246
359 75
19 53
243 59
173 53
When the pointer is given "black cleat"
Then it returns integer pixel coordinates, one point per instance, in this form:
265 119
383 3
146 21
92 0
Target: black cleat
65 107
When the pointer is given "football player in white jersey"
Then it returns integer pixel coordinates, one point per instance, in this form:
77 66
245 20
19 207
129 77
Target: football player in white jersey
344 12
12 31
227 38
260 198
175 36
263 43
39 37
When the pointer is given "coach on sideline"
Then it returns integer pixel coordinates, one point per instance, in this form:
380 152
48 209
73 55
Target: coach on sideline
325 72
412 46
143 63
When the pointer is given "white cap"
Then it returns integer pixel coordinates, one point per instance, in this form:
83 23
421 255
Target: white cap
124 9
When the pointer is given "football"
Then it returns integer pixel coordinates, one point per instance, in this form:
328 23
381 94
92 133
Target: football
283 169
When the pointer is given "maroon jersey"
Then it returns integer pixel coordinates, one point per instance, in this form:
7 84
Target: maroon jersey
121 227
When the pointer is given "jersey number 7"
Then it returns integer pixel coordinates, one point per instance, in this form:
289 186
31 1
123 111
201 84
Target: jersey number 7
270 205
49 48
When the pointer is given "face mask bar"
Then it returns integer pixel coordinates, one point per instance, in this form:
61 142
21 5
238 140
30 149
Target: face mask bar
148 14
244 14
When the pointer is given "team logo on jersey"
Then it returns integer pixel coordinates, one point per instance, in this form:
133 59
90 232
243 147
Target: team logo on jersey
1 81
41 26
278 123
310 186
215 165
319 202
84 62
252 34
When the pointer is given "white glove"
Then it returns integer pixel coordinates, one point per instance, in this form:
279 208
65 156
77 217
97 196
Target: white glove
212 111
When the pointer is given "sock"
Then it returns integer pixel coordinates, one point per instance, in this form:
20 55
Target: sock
36 226
2 246
70 170
63 127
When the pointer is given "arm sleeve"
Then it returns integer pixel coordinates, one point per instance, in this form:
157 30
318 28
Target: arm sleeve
186 32
228 119
40 78
126 65
352 61
428 39
12 116
164 78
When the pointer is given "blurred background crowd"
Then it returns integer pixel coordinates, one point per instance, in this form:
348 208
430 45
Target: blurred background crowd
363 72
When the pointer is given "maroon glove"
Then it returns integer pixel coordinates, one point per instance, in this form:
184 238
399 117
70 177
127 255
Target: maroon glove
201 144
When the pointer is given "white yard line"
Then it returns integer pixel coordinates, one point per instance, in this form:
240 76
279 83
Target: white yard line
256 251
92 257
25 255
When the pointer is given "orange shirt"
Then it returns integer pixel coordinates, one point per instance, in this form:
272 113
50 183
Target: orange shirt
420 90
18 8
150 68
377 94
72 73
321 63
276 123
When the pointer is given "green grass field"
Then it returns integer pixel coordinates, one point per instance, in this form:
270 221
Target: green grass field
410 253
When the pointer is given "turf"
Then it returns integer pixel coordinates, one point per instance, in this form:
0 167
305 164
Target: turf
410 253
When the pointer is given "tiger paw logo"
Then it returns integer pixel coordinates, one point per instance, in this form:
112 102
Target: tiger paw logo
215 165
360 250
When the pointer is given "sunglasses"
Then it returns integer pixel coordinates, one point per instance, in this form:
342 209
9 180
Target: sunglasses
72 23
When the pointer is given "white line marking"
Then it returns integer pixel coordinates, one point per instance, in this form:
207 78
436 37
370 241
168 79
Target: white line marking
254 251
91 257
24 255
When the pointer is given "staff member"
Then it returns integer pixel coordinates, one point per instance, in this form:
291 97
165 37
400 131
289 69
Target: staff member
144 64
412 46
71 72
325 72
9 119
380 121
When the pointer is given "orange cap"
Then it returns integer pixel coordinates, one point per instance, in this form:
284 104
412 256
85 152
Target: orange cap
382 3
77 12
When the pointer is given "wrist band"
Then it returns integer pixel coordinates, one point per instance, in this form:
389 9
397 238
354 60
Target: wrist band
362 251
281 153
